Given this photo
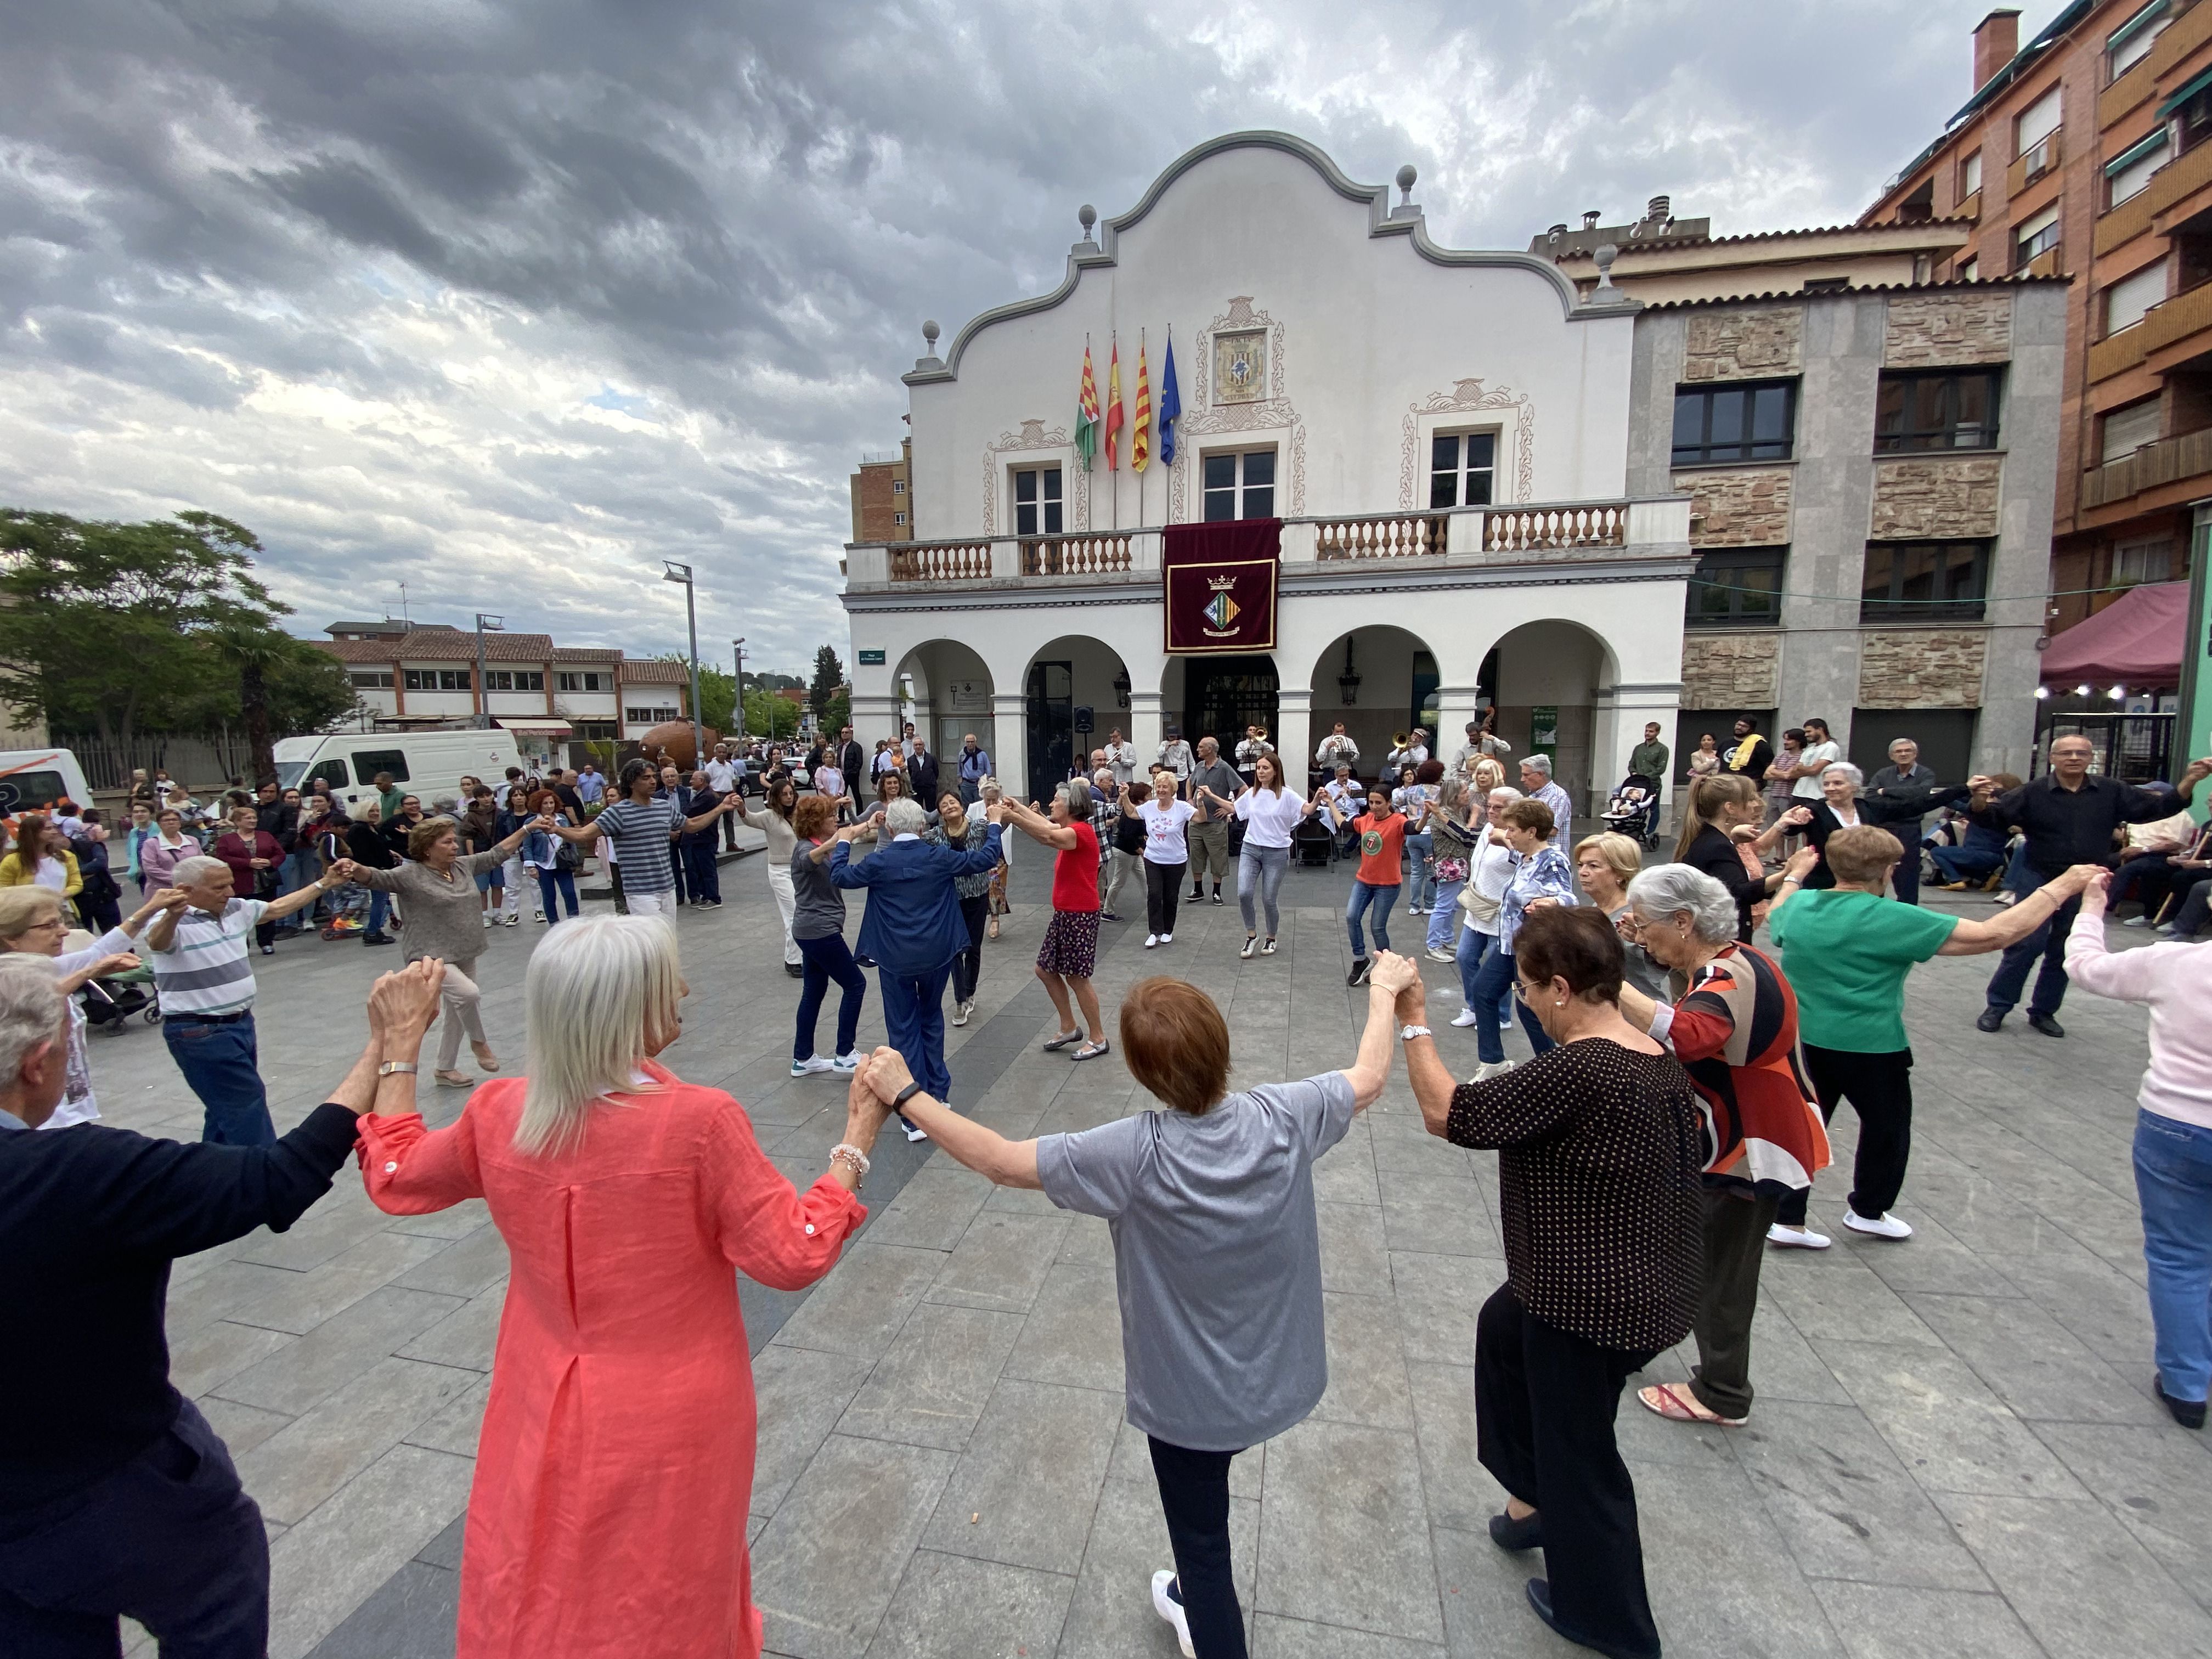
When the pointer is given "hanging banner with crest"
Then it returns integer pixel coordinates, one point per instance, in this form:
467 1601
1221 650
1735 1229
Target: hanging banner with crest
1220 585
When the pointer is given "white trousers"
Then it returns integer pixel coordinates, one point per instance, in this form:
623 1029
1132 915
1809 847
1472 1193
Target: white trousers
463 1004
786 903
652 904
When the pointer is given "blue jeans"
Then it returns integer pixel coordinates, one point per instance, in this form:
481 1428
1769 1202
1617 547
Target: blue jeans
826 959
1494 978
1260 874
379 906
1476 947
1963 863
2049 942
914 1019
1421 862
1363 895
552 882
1444 914
222 1066
297 871
2173 1181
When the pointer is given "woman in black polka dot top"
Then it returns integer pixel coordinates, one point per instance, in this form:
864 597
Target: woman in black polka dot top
1600 1142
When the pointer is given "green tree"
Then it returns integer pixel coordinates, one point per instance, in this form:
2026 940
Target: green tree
828 675
120 628
718 691
769 715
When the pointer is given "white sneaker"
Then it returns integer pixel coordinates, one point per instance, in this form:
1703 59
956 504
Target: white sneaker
1437 953
2142 920
514 919
1797 1239
1167 938
809 1068
960 1012
1251 949
1880 1226
1491 1068
1151 940
847 1064
487 917
1267 949
1464 1016
914 1130
1171 1610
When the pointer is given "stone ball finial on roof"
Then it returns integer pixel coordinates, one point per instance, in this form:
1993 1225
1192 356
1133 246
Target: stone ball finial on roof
1605 254
1406 176
1087 215
929 333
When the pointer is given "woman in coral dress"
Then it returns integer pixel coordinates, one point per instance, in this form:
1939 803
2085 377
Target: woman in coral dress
616 1464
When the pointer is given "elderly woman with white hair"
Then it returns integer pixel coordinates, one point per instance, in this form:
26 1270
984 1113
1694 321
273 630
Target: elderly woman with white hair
1842 807
32 924
1734 1031
615 1468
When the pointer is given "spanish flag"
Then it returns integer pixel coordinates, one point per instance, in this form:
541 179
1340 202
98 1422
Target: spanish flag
1087 412
1113 416
1140 435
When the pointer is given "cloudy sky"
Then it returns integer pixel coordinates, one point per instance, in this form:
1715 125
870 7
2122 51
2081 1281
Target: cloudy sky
508 302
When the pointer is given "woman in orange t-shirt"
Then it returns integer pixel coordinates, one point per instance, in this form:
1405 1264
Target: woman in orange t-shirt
1382 833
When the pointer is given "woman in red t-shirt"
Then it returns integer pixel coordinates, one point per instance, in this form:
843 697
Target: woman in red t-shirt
1382 833
1070 952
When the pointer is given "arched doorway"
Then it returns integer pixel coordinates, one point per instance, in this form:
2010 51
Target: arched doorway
944 689
1077 689
1378 681
1554 686
1222 696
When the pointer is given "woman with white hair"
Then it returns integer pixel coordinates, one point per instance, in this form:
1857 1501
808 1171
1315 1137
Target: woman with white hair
32 924
615 1468
1735 1030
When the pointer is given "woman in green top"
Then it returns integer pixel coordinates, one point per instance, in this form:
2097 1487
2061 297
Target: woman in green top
1846 950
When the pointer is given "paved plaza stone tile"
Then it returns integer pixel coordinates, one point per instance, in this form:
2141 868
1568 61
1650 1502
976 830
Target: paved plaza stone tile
1954 1454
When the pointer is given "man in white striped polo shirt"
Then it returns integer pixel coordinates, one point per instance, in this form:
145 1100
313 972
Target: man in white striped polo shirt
203 970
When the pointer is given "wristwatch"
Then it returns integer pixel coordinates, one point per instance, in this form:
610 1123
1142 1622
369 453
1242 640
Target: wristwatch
905 1095
1411 1031
393 1066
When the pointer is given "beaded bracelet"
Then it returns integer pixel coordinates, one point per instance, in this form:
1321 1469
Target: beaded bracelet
852 1158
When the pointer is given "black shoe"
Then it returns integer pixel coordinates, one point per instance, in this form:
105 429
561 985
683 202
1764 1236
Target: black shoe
2187 1412
1360 968
864 962
1989 1019
1217 896
796 969
378 939
1108 915
1198 897
2044 1024
1526 1534
1539 1599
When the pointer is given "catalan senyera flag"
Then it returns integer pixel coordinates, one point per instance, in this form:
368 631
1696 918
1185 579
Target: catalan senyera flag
1113 416
1140 431
1087 412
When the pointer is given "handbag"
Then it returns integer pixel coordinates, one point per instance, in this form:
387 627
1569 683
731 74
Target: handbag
1480 906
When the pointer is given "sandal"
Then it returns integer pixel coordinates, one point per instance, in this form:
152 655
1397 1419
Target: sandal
1063 1039
452 1080
992 930
1678 1405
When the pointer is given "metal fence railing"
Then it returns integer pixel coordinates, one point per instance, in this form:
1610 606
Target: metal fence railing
202 764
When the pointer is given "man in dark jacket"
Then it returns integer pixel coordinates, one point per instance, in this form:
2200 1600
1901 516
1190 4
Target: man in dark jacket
1907 791
922 774
2068 817
852 761
116 1497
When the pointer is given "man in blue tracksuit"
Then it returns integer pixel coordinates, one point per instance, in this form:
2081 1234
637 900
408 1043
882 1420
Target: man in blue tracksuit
913 929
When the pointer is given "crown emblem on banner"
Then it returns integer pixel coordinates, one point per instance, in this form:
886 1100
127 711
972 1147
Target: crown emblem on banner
1221 610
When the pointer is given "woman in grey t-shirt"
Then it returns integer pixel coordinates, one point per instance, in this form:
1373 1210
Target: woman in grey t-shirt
1217 1250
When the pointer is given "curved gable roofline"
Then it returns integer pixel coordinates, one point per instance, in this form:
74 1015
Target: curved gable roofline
1381 222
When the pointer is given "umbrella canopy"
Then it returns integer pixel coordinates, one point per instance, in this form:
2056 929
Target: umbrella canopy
2134 641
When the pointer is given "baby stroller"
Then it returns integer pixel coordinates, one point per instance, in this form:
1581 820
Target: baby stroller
110 1002
1634 809
1312 841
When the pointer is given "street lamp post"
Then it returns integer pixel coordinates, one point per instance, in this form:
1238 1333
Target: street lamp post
737 713
682 573
485 625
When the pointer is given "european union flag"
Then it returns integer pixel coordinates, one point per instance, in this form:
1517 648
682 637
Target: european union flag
1170 410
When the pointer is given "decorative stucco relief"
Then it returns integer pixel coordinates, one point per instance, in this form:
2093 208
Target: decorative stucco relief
1469 395
1202 417
1032 435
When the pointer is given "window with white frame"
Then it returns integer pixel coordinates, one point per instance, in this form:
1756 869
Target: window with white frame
584 680
1969 271
374 679
514 679
2129 173
898 486
898 517
1036 501
2127 299
2034 237
2130 44
438 679
2037 123
1462 468
1970 176
2150 560
1240 484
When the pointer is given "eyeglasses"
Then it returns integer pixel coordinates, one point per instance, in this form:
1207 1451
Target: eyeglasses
1521 993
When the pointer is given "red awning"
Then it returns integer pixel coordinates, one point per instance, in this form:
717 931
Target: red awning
2135 641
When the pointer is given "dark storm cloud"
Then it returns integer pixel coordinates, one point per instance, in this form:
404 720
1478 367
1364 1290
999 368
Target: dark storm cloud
509 302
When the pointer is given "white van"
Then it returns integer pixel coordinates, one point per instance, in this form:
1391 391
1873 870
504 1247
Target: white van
428 764
32 779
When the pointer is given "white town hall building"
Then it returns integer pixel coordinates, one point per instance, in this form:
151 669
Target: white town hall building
1443 435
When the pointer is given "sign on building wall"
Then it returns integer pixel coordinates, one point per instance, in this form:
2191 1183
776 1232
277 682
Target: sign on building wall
1220 585
968 697
870 659
1544 730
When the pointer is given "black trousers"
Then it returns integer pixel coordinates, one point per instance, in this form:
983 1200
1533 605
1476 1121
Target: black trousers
1163 893
968 966
1194 1494
1880 1089
170 1539
1736 1250
702 877
2049 942
1544 1405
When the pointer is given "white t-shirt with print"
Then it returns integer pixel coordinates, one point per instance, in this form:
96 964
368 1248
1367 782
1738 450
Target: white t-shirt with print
1163 831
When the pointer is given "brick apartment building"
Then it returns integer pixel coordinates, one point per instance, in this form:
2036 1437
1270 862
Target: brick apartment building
2084 154
883 498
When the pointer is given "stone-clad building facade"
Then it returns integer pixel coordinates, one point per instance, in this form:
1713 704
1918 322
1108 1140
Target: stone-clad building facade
1860 560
